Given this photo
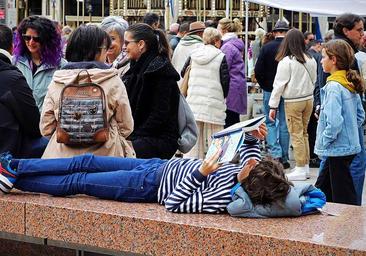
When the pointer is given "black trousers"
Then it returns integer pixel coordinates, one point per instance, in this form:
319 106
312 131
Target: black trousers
231 118
149 147
312 126
336 182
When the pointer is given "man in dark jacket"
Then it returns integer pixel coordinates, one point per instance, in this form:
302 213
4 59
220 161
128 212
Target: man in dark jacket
265 72
19 115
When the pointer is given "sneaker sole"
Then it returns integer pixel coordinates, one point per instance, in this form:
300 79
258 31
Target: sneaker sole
6 185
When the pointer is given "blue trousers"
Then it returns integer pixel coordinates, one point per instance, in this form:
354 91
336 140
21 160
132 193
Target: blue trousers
278 138
121 179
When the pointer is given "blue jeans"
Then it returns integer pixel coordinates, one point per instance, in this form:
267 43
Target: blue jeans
121 179
278 138
358 167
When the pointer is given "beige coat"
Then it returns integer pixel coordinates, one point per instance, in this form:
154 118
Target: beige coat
117 109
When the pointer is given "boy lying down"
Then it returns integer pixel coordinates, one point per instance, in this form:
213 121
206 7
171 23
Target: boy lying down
248 188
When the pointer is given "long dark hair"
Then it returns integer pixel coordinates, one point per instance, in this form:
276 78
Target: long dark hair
345 57
155 40
86 42
267 183
346 20
51 44
293 45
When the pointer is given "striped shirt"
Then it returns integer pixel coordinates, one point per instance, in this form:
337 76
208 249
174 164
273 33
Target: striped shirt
184 189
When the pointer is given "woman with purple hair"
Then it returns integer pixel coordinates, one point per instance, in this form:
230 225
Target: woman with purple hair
38 54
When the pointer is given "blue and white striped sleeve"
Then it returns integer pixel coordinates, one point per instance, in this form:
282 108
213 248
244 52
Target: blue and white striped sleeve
249 149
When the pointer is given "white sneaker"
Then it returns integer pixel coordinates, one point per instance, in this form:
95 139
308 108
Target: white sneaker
307 171
297 174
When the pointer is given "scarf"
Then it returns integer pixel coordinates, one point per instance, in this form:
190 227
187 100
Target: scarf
340 76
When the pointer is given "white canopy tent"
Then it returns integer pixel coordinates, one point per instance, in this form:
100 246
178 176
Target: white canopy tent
318 7
314 7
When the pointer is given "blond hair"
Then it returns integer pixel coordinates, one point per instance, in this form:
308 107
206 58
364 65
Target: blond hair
231 25
211 36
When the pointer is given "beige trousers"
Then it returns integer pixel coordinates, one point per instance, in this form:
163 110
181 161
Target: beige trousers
204 139
297 119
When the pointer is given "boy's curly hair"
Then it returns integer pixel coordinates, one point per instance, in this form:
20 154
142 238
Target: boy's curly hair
267 183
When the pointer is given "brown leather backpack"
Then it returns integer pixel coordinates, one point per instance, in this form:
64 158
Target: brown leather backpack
82 115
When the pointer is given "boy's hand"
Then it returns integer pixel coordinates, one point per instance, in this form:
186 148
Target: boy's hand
244 173
210 165
261 132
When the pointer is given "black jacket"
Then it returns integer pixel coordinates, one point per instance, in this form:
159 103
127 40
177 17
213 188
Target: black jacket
19 115
153 92
266 66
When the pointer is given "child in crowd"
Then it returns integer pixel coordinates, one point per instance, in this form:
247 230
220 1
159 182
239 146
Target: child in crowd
182 185
341 115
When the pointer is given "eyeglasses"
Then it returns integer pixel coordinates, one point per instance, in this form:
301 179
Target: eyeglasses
127 42
27 38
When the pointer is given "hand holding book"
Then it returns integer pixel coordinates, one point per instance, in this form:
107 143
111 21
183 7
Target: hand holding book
211 164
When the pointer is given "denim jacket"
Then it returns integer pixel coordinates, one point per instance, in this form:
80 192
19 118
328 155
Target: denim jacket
341 114
40 80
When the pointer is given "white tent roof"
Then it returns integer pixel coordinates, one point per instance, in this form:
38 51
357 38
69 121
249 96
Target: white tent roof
318 7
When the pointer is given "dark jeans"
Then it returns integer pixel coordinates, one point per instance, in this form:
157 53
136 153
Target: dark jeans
121 179
336 182
231 118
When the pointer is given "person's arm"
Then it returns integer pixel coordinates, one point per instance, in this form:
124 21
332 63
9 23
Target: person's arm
186 64
224 77
283 76
260 67
332 111
187 196
123 113
48 121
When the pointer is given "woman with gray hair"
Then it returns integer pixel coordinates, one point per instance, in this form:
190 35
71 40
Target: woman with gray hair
208 85
115 27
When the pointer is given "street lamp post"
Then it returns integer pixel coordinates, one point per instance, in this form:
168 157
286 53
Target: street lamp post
90 10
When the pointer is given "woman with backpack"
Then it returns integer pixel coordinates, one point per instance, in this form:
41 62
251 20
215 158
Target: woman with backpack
71 118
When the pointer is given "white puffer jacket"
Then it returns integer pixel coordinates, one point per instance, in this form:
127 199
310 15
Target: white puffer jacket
205 95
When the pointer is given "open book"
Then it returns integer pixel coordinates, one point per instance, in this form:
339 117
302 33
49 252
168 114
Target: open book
231 138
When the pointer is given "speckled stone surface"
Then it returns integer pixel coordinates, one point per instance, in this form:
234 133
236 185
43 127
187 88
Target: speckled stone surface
150 229
12 216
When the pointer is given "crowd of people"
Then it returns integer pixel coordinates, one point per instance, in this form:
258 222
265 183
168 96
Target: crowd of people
124 84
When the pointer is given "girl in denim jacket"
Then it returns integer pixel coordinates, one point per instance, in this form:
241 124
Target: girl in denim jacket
340 117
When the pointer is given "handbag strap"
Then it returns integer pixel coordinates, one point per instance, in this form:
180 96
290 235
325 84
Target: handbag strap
308 74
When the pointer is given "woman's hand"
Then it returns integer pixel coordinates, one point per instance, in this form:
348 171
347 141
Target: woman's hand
210 165
272 114
261 132
244 173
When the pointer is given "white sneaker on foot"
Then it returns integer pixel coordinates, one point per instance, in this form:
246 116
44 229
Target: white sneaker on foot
297 174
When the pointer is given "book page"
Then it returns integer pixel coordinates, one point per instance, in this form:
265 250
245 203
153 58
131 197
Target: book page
229 145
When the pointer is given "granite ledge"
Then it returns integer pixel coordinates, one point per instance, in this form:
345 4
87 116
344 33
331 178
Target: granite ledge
150 229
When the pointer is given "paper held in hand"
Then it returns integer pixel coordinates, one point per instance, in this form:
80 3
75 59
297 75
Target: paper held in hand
231 138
